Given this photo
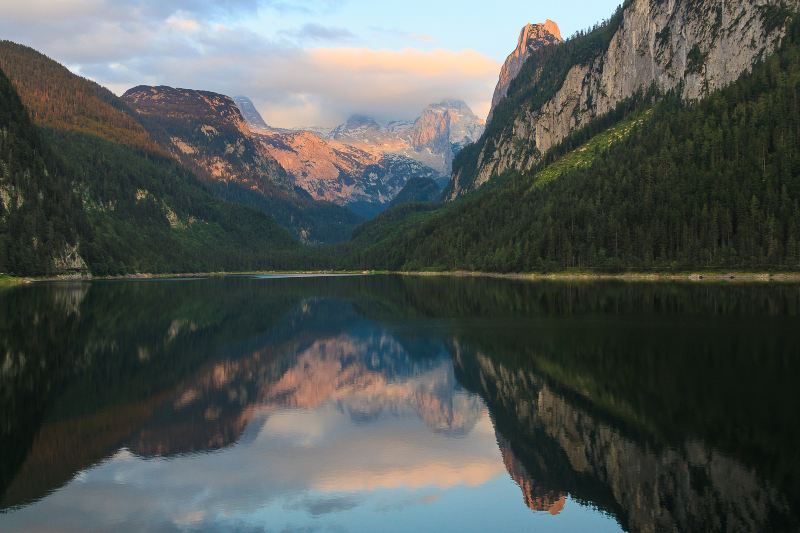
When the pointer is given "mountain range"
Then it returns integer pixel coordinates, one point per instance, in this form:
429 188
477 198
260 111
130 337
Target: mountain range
363 165
662 138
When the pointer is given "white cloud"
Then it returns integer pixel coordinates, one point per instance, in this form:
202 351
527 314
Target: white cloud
184 43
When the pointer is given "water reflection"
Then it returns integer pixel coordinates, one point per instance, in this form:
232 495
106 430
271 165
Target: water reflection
404 403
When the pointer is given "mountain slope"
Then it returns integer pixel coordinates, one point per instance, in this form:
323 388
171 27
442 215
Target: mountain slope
72 104
360 165
667 185
250 113
697 46
37 236
143 211
418 190
206 132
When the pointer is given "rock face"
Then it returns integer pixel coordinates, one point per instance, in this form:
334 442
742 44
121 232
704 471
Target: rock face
698 45
363 165
249 112
441 131
207 132
366 182
531 38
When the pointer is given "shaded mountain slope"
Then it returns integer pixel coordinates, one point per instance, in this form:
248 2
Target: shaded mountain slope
41 218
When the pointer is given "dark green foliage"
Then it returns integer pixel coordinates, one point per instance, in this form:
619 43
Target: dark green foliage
423 190
317 222
129 195
40 216
696 60
713 184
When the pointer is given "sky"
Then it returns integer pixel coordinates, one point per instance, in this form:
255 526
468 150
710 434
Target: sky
303 63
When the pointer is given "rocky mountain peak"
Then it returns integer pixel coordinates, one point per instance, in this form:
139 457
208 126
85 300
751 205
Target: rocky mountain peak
553 28
446 123
532 37
215 110
250 113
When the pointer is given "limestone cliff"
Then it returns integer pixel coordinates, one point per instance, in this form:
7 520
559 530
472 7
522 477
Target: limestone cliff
531 38
694 45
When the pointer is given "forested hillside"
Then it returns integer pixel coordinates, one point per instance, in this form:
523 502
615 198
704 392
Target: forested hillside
57 98
710 184
40 216
89 188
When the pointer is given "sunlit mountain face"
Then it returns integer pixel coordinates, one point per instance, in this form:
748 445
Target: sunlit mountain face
369 403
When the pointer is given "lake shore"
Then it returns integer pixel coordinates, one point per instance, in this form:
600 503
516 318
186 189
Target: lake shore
688 276
695 276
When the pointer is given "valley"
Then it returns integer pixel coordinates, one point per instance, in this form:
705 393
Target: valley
544 185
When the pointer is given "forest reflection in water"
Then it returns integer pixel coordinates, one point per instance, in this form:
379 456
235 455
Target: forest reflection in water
357 402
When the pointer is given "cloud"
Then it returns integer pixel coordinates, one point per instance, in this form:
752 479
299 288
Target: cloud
198 45
318 32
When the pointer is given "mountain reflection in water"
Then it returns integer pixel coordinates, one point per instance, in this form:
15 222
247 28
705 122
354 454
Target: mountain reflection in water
398 402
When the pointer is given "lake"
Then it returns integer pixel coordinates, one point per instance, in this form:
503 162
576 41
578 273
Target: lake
390 403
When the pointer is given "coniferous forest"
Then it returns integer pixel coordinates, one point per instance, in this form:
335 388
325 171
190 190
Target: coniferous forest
707 184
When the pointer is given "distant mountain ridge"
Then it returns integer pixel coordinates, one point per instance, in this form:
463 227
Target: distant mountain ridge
208 133
361 164
440 132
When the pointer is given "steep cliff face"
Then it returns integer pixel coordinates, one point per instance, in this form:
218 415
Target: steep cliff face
697 46
531 38
249 112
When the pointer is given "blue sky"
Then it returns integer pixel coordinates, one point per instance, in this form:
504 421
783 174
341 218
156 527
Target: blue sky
303 63
489 27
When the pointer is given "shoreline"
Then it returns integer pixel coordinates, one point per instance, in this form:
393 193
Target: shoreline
581 276
688 276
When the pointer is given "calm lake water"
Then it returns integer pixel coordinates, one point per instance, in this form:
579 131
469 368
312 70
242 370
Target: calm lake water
396 403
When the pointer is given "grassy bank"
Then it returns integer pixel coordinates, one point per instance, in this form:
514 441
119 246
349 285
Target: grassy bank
10 281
